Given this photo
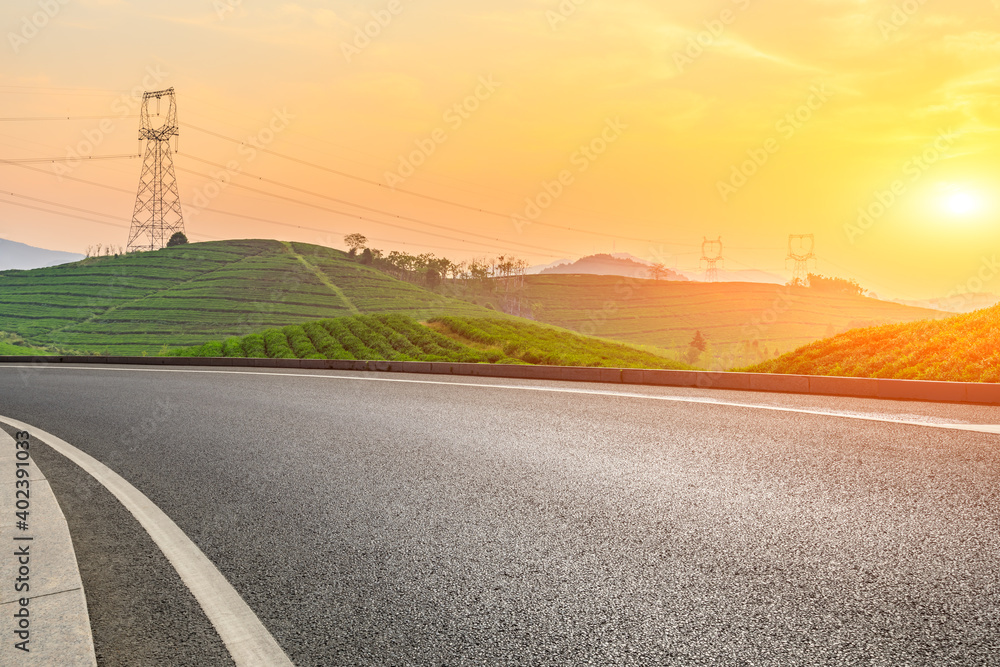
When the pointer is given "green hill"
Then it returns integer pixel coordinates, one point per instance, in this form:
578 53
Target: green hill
395 337
739 320
185 295
963 348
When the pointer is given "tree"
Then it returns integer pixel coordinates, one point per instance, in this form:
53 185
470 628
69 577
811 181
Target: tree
658 271
840 285
432 278
355 242
177 239
696 348
367 257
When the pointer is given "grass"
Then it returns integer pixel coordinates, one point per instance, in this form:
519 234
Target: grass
964 348
137 303
396 337
14 345
9 349
739 320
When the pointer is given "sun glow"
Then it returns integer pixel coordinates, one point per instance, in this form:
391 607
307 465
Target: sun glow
961 203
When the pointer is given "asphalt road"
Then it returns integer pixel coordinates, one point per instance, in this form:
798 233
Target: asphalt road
372 522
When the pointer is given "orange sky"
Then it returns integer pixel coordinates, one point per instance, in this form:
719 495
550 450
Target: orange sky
746 119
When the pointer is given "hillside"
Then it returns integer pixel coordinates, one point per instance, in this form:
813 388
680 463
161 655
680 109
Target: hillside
608 265
185 295
739 276
743 322
395 337
963 348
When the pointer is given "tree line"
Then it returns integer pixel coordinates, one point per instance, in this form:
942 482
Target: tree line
505 272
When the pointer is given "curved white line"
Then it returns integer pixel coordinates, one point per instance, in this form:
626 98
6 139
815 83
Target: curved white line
993 429
248 641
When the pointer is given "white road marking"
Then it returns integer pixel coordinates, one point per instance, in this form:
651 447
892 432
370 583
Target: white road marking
975 428
248 641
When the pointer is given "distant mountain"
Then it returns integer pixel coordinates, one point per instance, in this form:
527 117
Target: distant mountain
960 303
741 276
538 268
609 265
628 255
14 255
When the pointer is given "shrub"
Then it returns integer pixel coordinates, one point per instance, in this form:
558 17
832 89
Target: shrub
212 349
253 347
233 348
276 344
300 343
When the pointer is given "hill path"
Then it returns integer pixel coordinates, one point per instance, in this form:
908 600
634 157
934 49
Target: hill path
322 277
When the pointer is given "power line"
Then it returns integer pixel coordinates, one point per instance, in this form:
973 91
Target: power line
68 215
32 118
52 203
250 217
361 206
353 176
476 209
503 243
423 172
64 159
75 178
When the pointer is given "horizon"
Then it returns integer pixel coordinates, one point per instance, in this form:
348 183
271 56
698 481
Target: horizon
735 120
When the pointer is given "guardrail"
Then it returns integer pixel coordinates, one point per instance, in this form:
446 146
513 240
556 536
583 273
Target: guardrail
911 390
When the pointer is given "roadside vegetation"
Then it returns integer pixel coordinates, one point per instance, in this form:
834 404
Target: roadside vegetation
14 345
396 337
964 348
539 344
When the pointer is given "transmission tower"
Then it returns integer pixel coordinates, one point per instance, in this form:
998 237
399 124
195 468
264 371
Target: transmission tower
711 254
801 249
157 214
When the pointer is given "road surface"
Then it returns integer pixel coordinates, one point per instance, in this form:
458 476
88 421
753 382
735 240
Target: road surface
376 519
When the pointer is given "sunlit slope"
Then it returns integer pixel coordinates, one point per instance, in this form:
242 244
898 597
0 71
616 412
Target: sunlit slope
666 314
963 348
188 294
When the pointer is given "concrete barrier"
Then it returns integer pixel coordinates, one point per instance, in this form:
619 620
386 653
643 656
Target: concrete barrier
798 384
737 381
912 390
976 392
920 390
669 378
834 386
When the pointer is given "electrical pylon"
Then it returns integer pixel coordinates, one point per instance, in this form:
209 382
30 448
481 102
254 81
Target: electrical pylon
157 214
801 249
711 254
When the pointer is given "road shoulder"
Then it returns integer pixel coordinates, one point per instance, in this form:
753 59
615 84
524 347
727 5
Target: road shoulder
41 557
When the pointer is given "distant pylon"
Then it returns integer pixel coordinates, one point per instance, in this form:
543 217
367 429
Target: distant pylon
801 249
711 254
157 214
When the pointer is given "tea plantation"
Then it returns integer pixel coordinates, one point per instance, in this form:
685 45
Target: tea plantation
964 348
139 303
395 337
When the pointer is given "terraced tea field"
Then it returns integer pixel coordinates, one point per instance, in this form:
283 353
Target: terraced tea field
962 348
395 337
139 303
731 316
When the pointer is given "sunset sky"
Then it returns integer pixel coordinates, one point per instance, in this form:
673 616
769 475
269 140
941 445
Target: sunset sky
749 119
